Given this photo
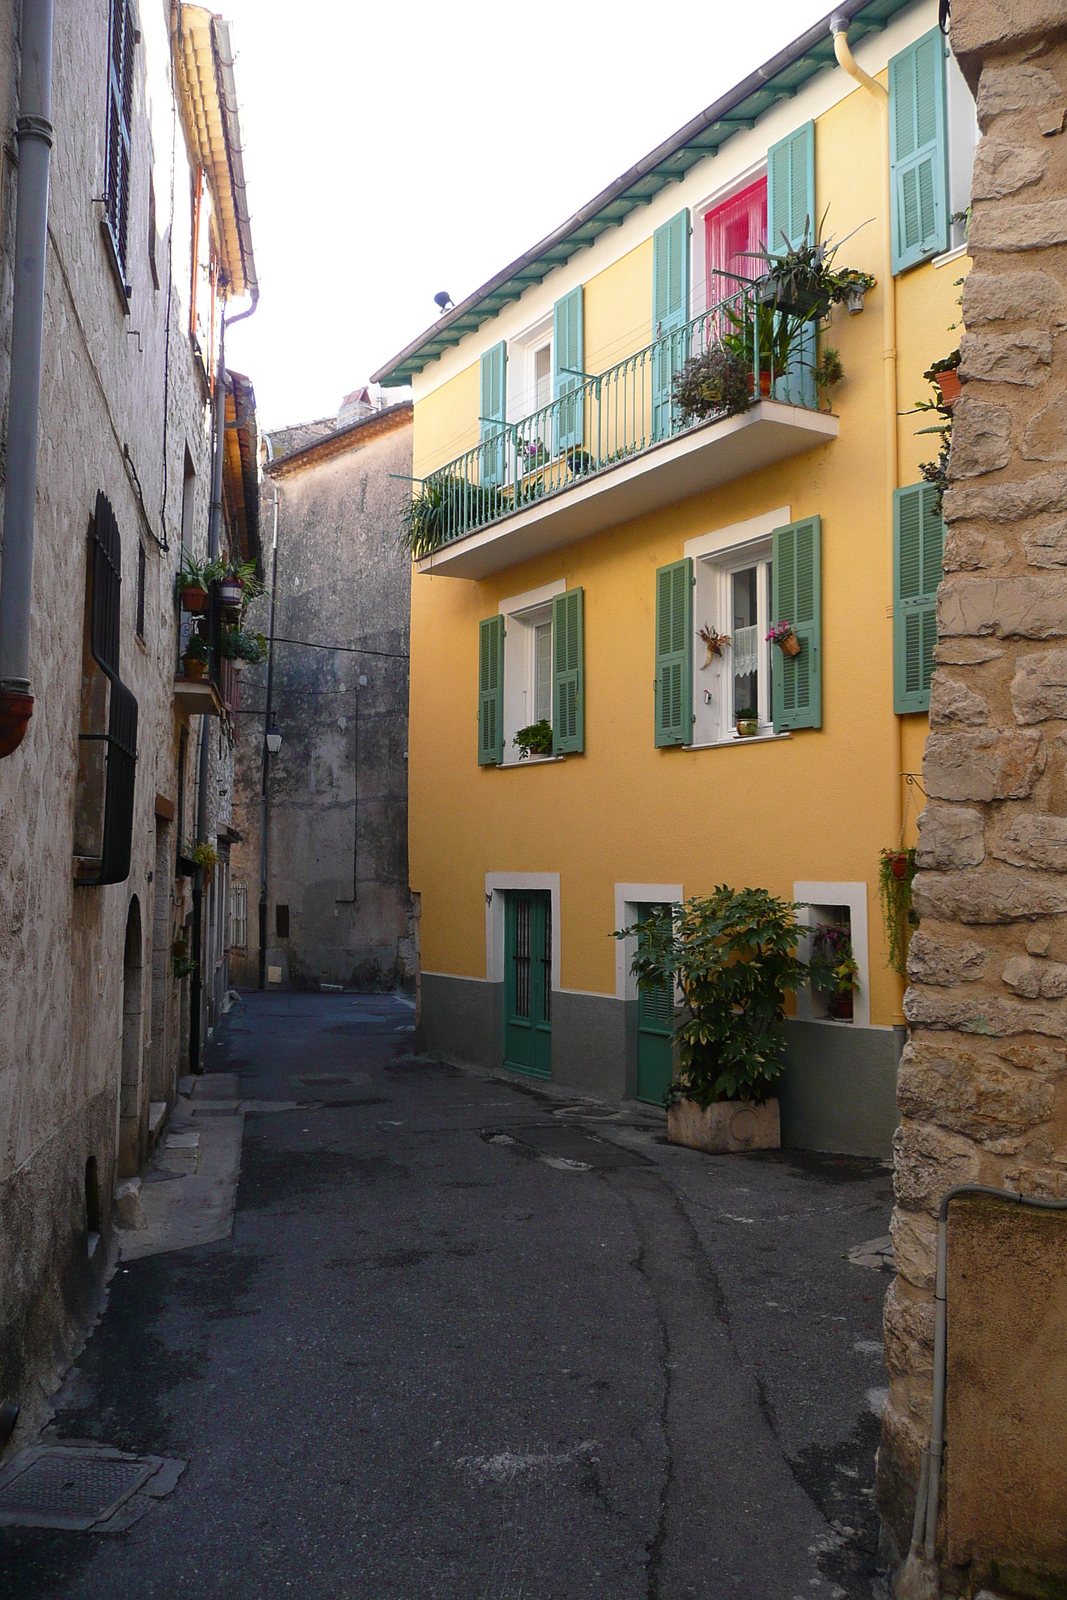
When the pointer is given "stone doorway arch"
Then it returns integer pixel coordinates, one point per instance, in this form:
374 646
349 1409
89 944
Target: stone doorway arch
132 1009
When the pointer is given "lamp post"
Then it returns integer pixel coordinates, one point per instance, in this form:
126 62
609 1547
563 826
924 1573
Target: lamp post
272 743
274 740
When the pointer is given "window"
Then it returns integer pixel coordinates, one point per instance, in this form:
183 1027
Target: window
239 916
733 599
918 536
962 124
188 504
733 232
119 111
531 669
542 377
140 589
107 735
840 908
281 922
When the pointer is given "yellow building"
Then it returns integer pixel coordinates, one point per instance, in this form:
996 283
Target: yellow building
583 539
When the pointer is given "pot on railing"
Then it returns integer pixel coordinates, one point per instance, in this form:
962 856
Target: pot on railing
194 598
193 667
231 592
950 387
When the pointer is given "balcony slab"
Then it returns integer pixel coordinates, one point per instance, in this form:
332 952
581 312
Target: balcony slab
687 465
197 697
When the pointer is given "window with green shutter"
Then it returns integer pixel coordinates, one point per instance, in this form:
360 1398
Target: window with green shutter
917 548
791 216
674 653
491 692
670 315
568 342
493 412
568 685
796 597
918 164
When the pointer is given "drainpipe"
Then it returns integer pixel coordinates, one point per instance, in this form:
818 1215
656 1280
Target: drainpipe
267 723
845 60
33 131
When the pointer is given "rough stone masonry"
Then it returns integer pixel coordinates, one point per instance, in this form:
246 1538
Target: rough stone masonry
983 1081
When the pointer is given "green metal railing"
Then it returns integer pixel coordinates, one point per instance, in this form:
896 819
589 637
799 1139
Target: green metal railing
596 422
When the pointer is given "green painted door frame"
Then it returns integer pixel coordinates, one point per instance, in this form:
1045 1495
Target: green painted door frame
528 981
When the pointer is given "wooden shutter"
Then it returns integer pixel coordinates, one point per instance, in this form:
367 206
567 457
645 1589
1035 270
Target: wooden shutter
119 113
492 412
796 583
674 653
791 214
670 316
917 545
491 692
568 678
918 164
569 359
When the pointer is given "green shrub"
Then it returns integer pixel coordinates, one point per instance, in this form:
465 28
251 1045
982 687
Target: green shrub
536 740
713 384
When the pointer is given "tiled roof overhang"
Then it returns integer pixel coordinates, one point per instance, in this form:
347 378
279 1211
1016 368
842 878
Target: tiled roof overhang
778 79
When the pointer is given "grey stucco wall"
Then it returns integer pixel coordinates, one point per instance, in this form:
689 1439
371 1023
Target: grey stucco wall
337 834
838 1090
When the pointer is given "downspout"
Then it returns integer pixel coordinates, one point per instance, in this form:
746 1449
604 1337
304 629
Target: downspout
847 63
33 130
267 723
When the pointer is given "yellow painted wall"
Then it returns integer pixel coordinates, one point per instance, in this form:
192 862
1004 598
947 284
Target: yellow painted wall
446 421
819 805
618 309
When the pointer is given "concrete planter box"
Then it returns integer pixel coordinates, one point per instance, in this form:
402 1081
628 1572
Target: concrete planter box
726 1125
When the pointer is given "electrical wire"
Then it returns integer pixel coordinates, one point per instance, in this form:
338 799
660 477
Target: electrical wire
349 649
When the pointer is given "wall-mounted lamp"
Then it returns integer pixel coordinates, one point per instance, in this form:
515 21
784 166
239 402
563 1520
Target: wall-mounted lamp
274 740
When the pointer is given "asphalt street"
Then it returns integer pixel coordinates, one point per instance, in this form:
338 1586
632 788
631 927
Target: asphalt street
474 1340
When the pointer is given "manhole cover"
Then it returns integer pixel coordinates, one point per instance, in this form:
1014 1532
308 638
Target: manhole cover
52 1487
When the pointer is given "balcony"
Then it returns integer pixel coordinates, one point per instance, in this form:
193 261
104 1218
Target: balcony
218 691
618 446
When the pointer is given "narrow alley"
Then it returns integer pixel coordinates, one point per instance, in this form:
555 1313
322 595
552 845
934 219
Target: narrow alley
472 1338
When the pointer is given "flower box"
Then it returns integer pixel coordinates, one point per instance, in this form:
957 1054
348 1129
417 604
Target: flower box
725 1125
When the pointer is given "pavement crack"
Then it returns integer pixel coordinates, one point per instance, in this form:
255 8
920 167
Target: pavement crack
658 1543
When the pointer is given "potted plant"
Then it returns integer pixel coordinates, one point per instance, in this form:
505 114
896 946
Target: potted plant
828 371
716 383
445 508
195 656
534 454
896 869
783 635
732 957
799 280
580 461
747 723
237 583
184 964
851 288
194 581
833 970
536 740
945 375
242 649
204 856
763 340
714 642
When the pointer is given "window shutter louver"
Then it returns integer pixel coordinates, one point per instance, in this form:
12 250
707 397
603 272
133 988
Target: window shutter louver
492 412
568 681
670 315
491 692
674 653
918 536
119 114
567 343
791 214
918 165
796 583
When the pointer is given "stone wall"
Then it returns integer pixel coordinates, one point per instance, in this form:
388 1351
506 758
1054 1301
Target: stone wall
338 788
983 1080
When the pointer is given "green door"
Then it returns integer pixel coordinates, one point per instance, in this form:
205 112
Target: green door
655 1034
528 982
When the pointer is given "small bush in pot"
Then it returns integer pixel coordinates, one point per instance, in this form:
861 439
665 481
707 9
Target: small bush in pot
713 384
832 969
536 740
733 957
195 656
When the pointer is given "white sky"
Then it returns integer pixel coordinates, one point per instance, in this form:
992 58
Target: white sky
394 148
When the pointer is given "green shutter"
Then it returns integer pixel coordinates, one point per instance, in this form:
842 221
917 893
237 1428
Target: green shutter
917 543
791 215
796 585
568 345
568 674
493 412
674 653
918 151
491 692
670 316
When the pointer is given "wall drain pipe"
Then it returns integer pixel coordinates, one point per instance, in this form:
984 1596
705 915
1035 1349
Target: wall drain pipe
927 1500
33 130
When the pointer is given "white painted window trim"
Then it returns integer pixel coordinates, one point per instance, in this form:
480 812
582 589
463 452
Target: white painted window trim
737 533
628 897
698 257
496 885
520 614
522 347
854 896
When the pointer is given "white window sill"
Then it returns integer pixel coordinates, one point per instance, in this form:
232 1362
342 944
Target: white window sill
952 255
734 739
530 761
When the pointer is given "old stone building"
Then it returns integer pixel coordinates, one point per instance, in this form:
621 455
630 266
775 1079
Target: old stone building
115 759
331 888
973 1432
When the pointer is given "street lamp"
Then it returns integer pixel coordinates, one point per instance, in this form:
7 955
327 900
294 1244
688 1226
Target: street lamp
274 740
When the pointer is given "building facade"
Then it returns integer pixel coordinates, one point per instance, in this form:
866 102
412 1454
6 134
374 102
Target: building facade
332 879
599 570
103 787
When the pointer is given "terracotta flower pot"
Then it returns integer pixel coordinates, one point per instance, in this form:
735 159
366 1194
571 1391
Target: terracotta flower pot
898 866
194 599
764 384
949 384
839 1006
192 667
789 644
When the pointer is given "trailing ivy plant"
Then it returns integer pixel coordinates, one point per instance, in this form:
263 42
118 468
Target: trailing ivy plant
896 869
733 955
715 383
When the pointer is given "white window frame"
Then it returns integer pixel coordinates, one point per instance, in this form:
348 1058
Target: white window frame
961 137
853 896
496 886
716 556
522 613
698 276
522 353
629 898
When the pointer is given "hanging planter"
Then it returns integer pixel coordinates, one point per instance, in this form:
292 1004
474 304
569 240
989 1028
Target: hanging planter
896 869
714 641
194 598
785 638
231 592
